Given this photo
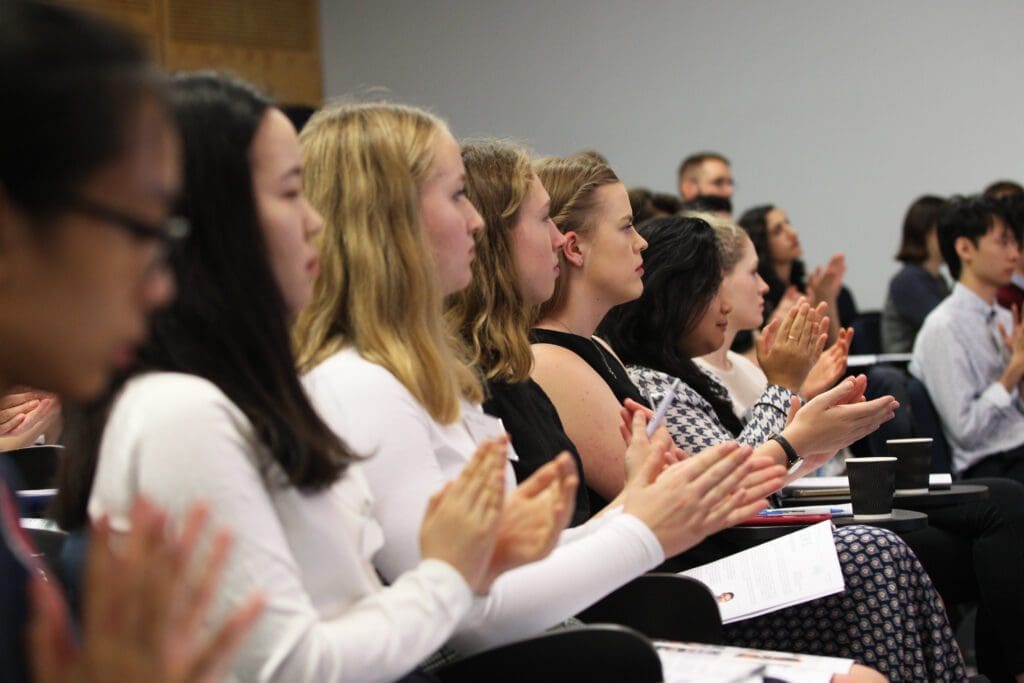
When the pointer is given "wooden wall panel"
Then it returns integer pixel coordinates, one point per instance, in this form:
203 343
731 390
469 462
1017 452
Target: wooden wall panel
275 44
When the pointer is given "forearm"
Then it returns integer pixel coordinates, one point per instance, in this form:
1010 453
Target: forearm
537 596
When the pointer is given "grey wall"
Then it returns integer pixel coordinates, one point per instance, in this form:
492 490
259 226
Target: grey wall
841 113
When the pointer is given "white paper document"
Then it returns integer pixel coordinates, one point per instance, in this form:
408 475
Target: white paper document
697 663
790 570
859 361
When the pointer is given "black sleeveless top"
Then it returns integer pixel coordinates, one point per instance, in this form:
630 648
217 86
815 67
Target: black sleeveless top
598 357
604 364
536 432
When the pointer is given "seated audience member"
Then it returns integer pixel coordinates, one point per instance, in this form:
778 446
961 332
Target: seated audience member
970 351
918 287
88 168
582 378
1001 189
28 416
779 250
705 174
1012 293
742 377
220 363
647 204
973 551
683 301
387 377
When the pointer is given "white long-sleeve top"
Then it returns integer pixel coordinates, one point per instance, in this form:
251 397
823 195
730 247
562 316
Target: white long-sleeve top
178 439
410 456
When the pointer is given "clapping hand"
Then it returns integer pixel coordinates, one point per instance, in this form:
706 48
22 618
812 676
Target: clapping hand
535 514
687 501
830 366
788 349
143 609
25 415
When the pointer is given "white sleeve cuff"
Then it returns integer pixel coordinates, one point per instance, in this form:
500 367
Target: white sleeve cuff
652 546
997 395
447 584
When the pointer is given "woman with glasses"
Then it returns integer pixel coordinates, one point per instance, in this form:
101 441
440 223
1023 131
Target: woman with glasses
84 125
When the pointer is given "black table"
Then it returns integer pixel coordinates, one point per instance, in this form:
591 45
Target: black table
956 494
746 536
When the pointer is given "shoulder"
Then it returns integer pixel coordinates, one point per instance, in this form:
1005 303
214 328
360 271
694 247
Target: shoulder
349 368
363 402
174 436
348 380
910 273
551 362
172 397
744 364
649 379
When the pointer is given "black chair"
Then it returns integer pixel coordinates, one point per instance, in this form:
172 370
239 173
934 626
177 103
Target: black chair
867 333
48 543
36 465
602 653
663 607
927 423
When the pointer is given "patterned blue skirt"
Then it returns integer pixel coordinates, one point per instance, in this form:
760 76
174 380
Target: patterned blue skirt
889 618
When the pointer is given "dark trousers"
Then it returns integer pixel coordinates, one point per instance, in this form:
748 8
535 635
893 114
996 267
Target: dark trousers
974 551
1009 464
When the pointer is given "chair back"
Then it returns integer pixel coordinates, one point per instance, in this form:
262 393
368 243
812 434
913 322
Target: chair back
927 423
867 333
48 542
36 465
602 653
662 607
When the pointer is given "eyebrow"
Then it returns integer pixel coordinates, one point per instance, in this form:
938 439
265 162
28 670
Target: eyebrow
294 170
628 218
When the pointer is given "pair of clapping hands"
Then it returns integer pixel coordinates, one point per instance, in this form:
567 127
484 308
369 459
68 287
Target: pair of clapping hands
479 530
685 498
791 350
147 593
25 415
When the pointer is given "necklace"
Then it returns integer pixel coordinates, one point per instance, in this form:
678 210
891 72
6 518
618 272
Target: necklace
600 351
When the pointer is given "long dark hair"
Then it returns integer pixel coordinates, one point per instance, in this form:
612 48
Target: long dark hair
71 82
682 274
755 222
229 323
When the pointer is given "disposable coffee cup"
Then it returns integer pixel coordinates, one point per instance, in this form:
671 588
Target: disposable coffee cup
913 464
872 484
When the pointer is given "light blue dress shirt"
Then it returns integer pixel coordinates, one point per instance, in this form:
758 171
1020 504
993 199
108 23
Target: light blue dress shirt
959 355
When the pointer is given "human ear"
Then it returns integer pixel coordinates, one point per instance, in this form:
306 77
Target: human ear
964 248
572 249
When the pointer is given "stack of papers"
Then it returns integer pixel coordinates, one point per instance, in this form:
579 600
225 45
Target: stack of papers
693 663
790 570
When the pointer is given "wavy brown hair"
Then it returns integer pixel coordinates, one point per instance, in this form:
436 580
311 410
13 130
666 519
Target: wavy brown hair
491 315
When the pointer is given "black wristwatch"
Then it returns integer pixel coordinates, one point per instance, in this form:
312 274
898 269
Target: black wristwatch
791 455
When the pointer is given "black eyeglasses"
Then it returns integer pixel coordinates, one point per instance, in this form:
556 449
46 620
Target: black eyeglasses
170 232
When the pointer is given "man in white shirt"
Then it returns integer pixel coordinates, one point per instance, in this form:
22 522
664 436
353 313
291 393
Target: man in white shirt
970 351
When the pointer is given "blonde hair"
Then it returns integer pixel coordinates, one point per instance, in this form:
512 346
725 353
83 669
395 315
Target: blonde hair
571 182
491 315
378 288
731 238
